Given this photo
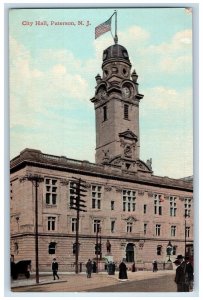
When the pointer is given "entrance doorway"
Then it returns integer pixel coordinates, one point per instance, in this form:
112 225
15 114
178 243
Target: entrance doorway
130 252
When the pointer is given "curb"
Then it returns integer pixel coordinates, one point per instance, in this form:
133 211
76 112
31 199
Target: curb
37 284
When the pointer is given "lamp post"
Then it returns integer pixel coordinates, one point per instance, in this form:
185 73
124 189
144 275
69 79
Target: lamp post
169 250
35 179
98 245
185 216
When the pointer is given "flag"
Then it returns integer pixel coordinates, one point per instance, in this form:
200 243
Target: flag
103 28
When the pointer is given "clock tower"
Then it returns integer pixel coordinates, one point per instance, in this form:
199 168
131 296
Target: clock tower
116 104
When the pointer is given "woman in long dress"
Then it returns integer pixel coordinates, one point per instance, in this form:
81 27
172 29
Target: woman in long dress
122 271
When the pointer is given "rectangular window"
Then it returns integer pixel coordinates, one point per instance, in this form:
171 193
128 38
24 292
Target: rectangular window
96 225
145 208
72 195
157 204
96 196
104 113
173 230
51 191
112 226
52 248
145 229
73 224
112 205
173 207
187 229
129 226
51 223
129 200
158 230
187 206
126 111
158 250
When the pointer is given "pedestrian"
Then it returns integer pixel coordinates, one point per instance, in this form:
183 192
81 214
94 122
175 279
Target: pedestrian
108 247
89 268
189 272
113 268
122 271
94 267
55 268
180 277
133 269
154 264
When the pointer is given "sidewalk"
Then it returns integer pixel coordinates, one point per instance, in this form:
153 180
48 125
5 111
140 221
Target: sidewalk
79 282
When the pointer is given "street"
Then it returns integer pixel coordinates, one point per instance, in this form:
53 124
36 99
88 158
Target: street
160 284
143 281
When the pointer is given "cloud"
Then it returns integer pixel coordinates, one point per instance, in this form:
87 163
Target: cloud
171 153
163 98
134 34
169 57
48 95
172 65
35 88
166 123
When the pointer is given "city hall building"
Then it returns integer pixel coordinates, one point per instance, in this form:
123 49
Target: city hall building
140 214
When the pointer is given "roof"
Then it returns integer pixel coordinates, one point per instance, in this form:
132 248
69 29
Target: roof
32 157
116 52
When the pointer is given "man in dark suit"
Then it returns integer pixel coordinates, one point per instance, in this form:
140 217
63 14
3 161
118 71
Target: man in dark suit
55 268
190 272
181 275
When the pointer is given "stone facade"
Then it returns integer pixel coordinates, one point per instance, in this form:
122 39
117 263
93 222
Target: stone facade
128 228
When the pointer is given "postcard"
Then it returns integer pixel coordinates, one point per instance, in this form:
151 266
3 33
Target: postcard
101 149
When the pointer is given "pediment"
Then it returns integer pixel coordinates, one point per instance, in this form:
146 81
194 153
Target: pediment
143 166
130 219
128 134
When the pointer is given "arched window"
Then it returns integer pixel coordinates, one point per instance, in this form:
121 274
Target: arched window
105 113
130 252
52 248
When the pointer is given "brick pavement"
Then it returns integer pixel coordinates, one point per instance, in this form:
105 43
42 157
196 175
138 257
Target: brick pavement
80 282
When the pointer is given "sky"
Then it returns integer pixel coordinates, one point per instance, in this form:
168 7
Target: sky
52 79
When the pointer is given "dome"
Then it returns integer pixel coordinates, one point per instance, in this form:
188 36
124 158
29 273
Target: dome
115 51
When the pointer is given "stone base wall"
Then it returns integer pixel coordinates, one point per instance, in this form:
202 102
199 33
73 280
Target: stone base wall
143 256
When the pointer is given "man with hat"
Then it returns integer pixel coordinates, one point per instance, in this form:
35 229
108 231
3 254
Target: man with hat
55 268
181 275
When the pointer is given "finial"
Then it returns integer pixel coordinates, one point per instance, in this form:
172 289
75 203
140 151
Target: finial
98 78
134 76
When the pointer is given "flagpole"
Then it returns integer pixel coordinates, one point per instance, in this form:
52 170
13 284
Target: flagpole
116 37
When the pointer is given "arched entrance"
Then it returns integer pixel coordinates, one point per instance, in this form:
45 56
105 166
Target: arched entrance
130 252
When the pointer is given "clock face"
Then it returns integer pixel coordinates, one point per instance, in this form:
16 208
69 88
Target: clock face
126 91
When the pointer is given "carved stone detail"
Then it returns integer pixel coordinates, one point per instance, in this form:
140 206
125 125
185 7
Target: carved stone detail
108 188
130 219
140 192
65 181
119 190
181 198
